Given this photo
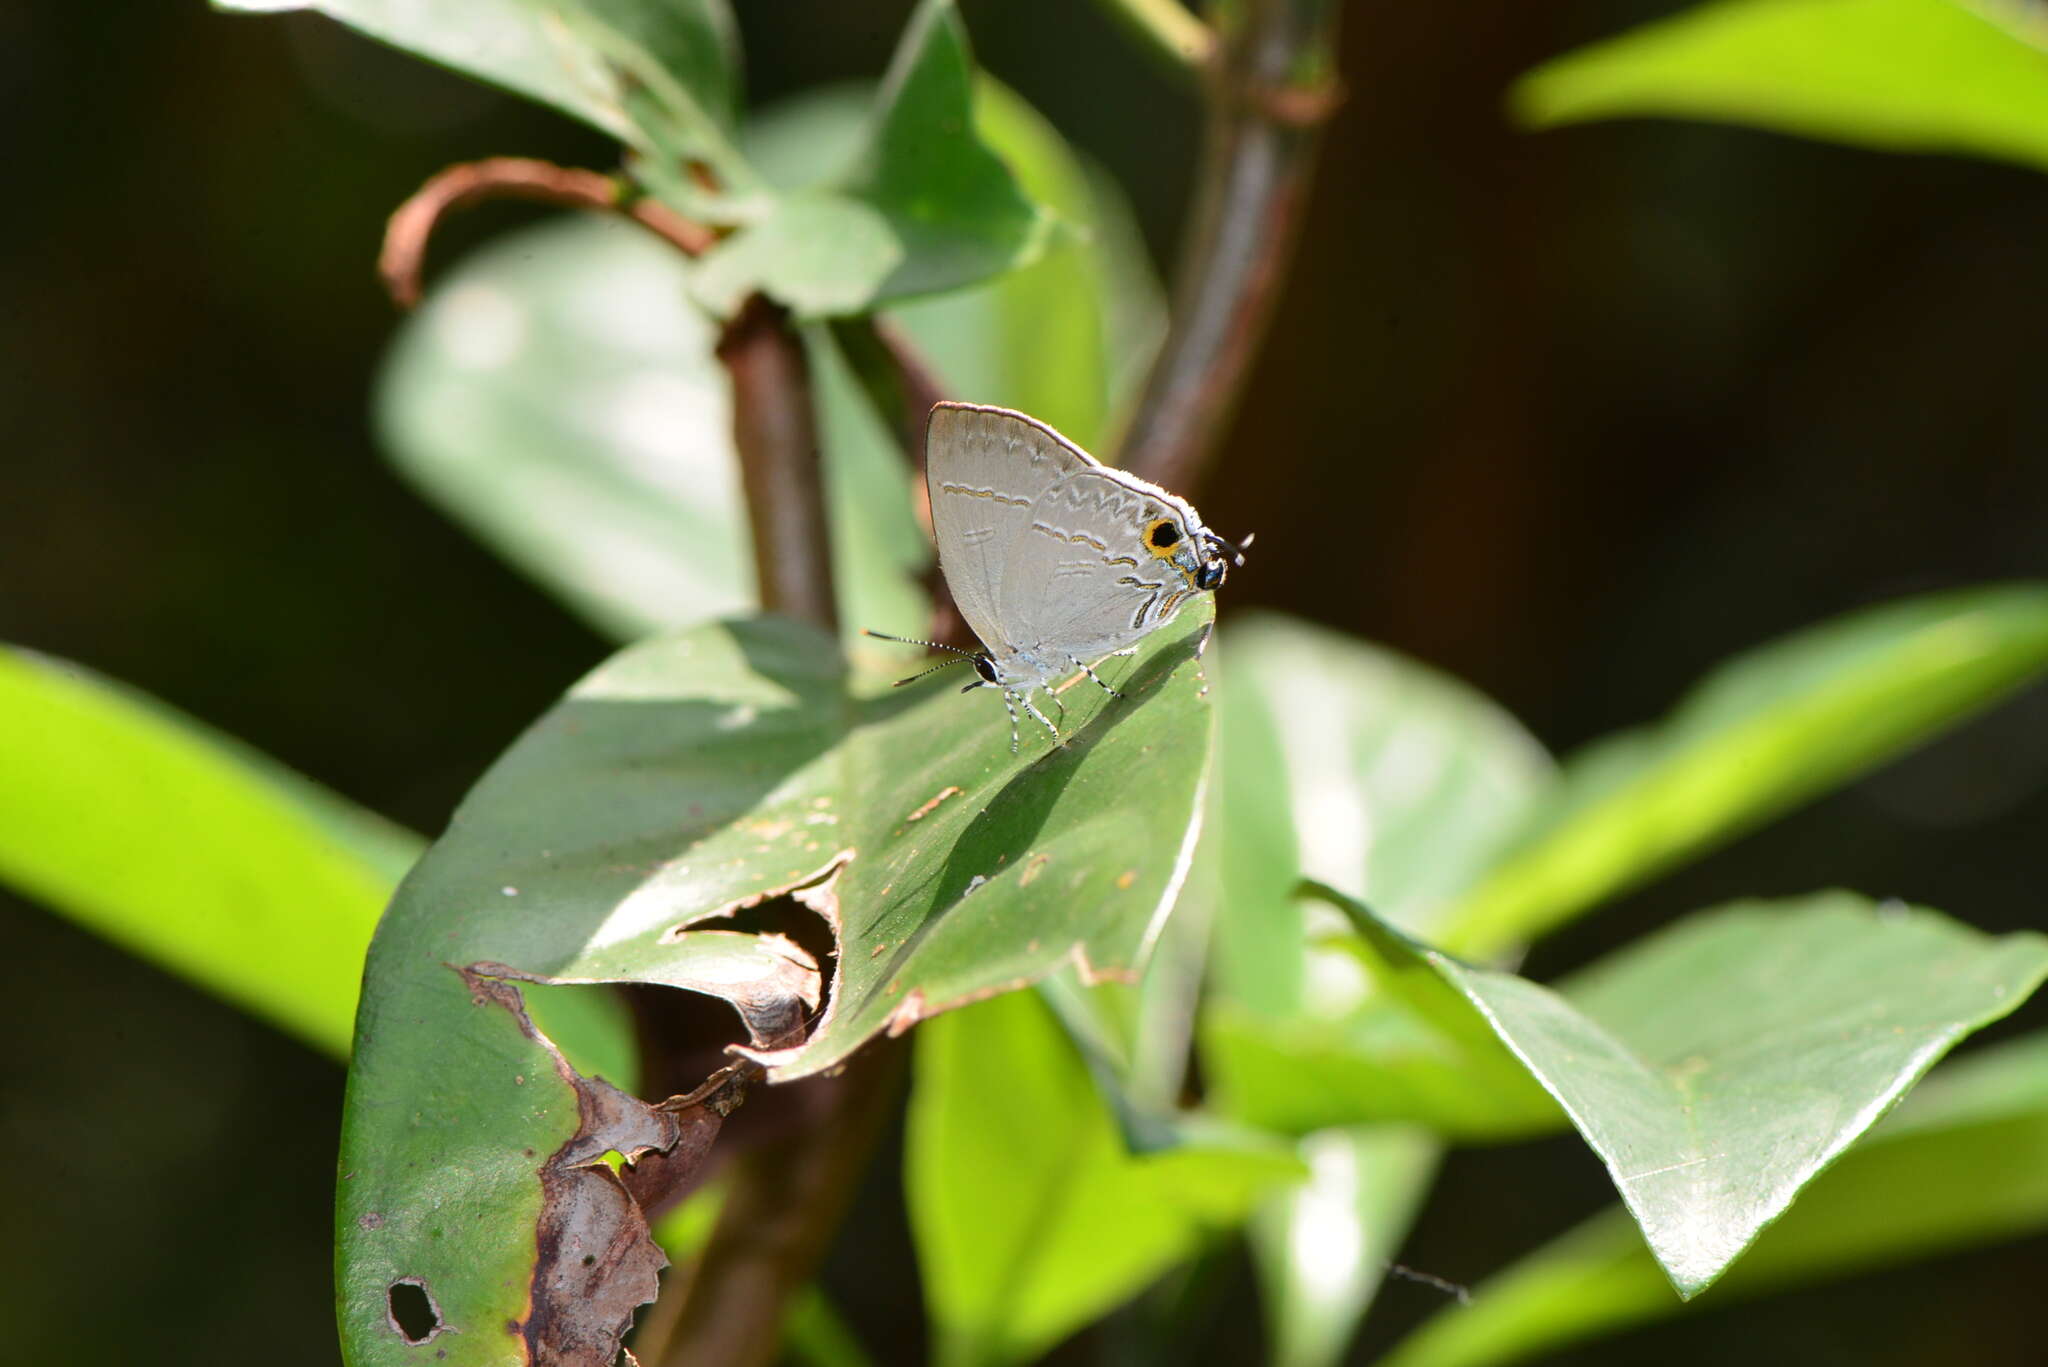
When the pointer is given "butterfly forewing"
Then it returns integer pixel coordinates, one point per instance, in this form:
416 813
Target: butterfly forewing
984 469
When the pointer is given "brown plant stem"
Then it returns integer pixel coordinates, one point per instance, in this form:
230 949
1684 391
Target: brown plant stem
1272 85
775 431
782 1203
401 261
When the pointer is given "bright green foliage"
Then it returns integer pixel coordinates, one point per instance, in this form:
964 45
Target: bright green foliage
1904 75
689 775
189 849
1322 1247
1381 776
660 75
1760 734
925 206
1717 1066
1963 1160
1031 1216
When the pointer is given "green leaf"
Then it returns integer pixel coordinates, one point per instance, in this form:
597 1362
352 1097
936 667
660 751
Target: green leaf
1030 1215
1364 768
559 396
1063 338
189 849
1902 75
924 206
1964 1160
660 75
687 777
1361 769
1762 733
1721 1064
1322 1248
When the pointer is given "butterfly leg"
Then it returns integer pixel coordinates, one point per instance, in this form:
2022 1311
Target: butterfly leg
1086 669
1031 707
1010 706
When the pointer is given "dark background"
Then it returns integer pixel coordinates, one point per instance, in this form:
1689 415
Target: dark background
1573 415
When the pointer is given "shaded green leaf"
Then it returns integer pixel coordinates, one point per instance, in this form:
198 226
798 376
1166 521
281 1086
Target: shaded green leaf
924 205
1903 75
660 75
1760 734
187 848
1963 1160
1031 1217
1717 1066
686 777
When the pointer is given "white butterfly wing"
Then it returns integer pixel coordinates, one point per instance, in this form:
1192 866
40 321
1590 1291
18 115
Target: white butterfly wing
984 469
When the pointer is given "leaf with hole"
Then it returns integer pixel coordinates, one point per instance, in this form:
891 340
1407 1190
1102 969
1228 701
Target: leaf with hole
689 777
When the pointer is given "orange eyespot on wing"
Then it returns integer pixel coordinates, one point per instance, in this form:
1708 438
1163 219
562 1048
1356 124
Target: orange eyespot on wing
1161 536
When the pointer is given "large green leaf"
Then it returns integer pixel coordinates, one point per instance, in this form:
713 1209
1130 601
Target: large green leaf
558 394
1721 1064
1905 75
1360 769
1760 734
1963 1160
1368 770
926 204
689 776
189 849
1031 1217
660 75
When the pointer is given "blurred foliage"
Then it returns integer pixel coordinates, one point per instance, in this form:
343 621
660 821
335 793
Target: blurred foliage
1903 75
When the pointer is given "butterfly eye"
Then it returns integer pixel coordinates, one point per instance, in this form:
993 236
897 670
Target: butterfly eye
1162 535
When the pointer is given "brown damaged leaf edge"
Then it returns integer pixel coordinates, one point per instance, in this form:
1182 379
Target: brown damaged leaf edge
595 1263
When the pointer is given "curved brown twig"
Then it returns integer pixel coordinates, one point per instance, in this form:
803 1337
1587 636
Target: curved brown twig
1272 86
403 257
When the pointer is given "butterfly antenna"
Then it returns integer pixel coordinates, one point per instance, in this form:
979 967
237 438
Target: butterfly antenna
1236 549
963 656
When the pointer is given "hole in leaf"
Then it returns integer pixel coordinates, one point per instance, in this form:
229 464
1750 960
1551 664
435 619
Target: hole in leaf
413 1312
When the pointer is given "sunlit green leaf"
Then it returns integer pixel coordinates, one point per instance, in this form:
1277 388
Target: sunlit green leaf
689 775
1963 1160
1719 1065
189 849
1903 75
1031 1217
1766 731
